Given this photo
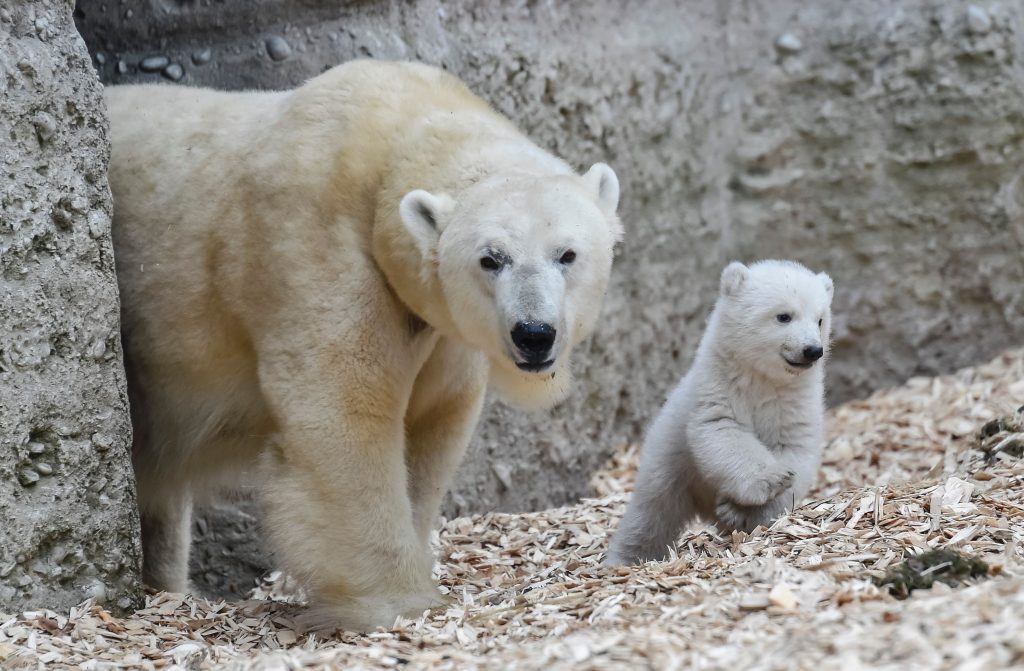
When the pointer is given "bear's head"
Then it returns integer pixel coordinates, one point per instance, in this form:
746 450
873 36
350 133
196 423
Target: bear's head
775 317
522 263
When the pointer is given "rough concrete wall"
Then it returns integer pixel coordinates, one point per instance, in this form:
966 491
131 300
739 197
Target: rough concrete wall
877 139
68 526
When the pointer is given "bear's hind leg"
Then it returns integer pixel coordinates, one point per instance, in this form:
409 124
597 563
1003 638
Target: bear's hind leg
166 539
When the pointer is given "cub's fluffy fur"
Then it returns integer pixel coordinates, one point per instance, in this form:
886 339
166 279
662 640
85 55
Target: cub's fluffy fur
739 440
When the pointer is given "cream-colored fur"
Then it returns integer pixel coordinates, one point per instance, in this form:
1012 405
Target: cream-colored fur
305 300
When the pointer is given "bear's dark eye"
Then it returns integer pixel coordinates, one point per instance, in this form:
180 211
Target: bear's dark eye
784 318
490 263
819 323
568 257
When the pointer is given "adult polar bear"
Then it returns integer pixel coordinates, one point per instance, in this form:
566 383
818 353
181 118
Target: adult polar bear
317 286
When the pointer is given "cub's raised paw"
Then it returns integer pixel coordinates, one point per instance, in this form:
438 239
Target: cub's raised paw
764 488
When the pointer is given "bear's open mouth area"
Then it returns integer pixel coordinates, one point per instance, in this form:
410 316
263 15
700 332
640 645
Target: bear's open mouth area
534 367
804 365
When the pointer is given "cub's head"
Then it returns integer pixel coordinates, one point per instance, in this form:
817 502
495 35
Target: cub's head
776 317
523 263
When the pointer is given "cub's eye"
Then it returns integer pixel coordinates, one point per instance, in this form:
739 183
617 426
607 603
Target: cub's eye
568 257
490 263
819 323
784 318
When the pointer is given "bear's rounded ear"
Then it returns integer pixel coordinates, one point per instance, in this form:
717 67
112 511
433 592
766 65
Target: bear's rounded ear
733 278
605 185
423 214
826 281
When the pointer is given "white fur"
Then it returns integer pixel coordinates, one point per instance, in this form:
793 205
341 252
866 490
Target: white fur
303 299
739 440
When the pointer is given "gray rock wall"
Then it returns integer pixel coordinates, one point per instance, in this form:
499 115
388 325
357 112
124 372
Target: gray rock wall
879 140
68 526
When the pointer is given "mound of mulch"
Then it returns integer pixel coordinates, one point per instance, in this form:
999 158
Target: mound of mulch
921 478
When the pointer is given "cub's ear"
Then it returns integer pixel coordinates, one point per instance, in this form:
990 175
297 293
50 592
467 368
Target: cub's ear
605 185
733 278
423 215
826 281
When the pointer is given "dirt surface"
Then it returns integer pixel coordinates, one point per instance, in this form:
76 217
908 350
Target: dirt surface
906 473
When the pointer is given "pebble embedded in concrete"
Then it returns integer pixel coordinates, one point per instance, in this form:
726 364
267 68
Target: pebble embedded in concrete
174 72
102 441
278 48
45 126
202 56
43 468
978 20
788 43
28 477
154 63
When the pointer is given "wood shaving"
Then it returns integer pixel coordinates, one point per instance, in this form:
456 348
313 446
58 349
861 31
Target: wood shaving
905 471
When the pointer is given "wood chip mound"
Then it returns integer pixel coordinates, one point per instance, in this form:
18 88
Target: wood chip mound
906 471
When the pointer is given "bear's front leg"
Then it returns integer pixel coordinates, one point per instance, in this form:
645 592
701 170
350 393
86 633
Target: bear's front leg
737 466
443 413
337 502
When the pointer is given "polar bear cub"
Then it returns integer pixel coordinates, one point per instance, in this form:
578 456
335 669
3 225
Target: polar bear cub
739 441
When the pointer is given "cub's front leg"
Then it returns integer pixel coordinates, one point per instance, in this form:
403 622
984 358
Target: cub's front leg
733 463
801 454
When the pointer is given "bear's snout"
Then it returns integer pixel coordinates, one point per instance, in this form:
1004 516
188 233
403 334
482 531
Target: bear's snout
534 341
812 353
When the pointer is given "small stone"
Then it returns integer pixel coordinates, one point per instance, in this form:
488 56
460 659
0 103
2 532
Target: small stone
28 477
43 468
754 601
788 43
782 597
97 350
154 63
102 442
202 56
503 473
36 448
121 68
174 72
101 58
978 20
45 125
278 48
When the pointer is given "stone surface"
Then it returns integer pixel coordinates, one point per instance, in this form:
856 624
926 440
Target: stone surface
69 529
880 141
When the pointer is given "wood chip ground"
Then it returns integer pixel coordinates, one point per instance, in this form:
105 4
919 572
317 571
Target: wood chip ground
904 472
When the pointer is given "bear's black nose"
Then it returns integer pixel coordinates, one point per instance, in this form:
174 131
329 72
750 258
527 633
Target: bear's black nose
813 353
534 340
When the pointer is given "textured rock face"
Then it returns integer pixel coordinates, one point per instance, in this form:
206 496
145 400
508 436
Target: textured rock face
69 529
877 140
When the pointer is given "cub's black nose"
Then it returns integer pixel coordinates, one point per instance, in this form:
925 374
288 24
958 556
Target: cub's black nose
534 340
813 353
